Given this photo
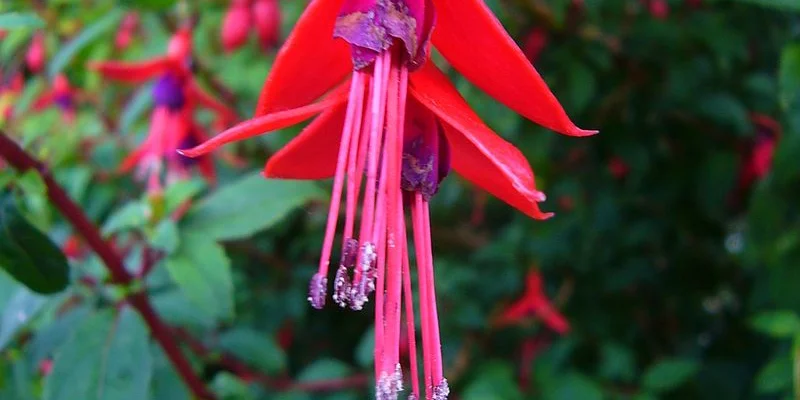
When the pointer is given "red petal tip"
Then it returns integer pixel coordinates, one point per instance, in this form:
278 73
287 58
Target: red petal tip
578 132
191 153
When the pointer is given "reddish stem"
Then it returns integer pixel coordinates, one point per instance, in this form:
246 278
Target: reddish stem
21 160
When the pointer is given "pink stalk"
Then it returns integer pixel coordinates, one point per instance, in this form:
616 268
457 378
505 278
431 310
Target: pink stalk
354 175
419 231
410 329
319 283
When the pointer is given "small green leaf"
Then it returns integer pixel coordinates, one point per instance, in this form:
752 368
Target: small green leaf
108 357
325 369
249 205
22 306
203 272
178 193
165 236
28 254
132 215
789 75
97 30
669 374
255 348
779 324
775 377
166 384
229 387
494 381
15 20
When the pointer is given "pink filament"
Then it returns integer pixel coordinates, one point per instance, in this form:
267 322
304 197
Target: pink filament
419 232
354 174
410 329
356 86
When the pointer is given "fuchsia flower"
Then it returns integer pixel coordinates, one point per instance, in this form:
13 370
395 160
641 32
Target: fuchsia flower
262 15
34 57
388 121
172 126
756 157
62 95
534 303
127 29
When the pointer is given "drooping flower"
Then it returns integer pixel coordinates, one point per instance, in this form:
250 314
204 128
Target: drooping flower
388 121
534 304
236 25
756 157
264 16
175 95
127 29
34 57
61 95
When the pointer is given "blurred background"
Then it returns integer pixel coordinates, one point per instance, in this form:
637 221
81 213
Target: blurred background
670 270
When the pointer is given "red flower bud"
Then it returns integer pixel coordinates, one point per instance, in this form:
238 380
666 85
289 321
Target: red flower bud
236 25
126 30
659 9
267 15
535 41
34 58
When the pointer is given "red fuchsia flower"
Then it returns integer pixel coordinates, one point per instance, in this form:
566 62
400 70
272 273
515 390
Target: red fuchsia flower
127 29
267 17
618 167
756 157
236 25
659 9
263 15
534 303
34 57
172 126
534 43
391 123
61 95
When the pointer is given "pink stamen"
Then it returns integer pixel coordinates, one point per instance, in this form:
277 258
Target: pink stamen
419 231
410 328
319 283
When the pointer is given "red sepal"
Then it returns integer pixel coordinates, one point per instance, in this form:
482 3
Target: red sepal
133 72
309 64
471 38
478 154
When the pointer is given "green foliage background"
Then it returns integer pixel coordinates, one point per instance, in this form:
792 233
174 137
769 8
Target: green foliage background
672 291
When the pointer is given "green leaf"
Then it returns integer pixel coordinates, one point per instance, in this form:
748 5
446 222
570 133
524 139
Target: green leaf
229 387
28 254
573 386
203 272
132 215
178 193
325 369
255 348
165 236
775 377
779 324
20 309
669 374
365 353
95 31
249 205
494 381
789 75
14 20
108 357
785 5
166 383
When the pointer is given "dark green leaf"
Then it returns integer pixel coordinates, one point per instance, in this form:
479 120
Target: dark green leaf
28 254
249 205
108 357
255 348
669 374
203 272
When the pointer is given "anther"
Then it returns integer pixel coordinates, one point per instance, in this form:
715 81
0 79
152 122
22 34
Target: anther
317 291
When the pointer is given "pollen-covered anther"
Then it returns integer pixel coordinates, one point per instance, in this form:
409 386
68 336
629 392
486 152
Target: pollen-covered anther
341 284
390 385
317 291
363 282
441 391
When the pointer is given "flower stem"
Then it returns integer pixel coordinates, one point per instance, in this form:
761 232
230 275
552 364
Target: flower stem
21 160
